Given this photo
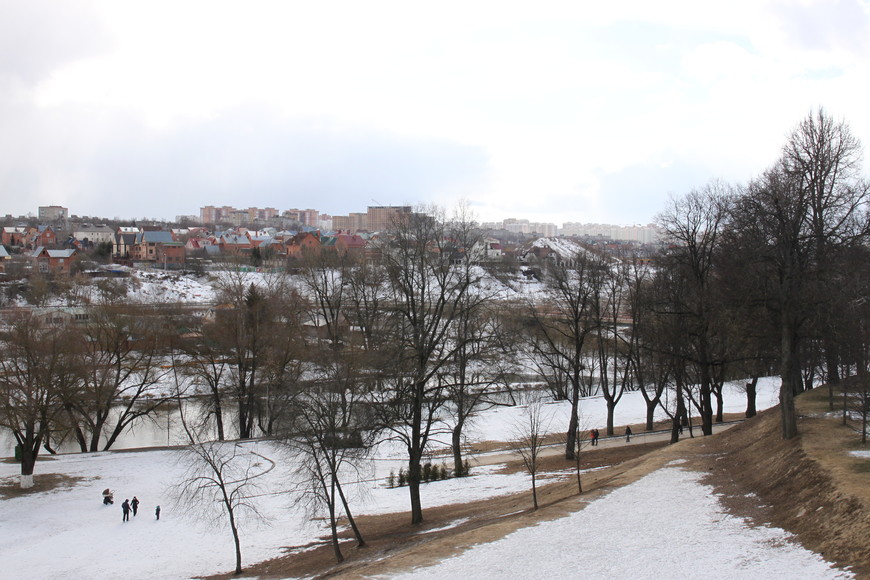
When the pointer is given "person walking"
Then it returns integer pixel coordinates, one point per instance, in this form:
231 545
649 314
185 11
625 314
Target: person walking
597 434
592 436
135 505
125 507
628 433
157 512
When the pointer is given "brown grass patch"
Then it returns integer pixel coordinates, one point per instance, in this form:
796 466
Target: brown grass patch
42 482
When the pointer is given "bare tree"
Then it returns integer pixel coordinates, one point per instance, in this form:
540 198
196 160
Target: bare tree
693 225
562 320
35 371
332 438
220 482
118 364
824 158
427 293
530 431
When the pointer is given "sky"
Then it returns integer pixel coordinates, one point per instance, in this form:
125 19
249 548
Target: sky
552 111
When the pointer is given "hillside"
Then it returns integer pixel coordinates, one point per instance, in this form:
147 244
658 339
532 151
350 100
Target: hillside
811 487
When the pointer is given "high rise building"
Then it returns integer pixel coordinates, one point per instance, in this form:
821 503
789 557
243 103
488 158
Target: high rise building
52 213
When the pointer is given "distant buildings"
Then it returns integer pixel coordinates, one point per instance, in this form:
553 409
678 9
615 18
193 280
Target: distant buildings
52 213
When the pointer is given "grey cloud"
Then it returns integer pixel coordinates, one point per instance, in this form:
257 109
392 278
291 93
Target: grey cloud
254 159
38 36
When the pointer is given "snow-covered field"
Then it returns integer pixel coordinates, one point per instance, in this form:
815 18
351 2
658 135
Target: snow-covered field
635 533
68 533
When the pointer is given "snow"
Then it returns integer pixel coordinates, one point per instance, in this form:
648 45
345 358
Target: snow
634 533
860 453
74 535
497 423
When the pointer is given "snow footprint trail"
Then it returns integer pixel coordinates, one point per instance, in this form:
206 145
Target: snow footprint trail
639 521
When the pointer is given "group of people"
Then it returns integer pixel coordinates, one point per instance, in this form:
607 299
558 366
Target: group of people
133 506
593 435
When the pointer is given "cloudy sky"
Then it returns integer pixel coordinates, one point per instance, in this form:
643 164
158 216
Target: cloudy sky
552 111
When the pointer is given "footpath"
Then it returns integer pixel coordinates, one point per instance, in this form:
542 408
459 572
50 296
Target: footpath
503 456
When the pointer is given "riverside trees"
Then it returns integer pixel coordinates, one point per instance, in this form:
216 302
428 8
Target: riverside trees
35 370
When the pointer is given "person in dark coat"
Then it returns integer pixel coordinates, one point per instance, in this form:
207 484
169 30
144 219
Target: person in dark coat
157 512
597 435
125 507
135 505
628 434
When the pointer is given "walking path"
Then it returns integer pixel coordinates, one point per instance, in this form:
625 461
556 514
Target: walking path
495 457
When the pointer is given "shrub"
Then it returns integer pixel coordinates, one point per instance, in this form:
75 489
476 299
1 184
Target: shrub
402 477
391 479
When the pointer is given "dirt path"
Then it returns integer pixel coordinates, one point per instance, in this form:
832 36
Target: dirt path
556 449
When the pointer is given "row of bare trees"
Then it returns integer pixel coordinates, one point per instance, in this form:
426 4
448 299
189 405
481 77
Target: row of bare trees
769 275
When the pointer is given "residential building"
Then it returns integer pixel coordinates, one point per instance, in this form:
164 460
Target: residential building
93 235
381 218
53 261
52 213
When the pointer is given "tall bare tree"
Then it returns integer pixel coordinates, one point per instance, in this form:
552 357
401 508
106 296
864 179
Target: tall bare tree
427 294
693 225
562 319
35 371
824 158
119 367
530 432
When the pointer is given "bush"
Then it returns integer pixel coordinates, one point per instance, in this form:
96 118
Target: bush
391 479
427 472
403 478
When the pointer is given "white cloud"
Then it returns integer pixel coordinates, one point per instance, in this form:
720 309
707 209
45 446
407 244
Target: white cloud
562 100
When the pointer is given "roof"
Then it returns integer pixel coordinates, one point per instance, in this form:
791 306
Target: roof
158 237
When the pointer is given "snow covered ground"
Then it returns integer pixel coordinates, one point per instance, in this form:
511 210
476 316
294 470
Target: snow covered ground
634 533
68 533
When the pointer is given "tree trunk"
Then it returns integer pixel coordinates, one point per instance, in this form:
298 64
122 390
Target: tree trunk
706 401
457 450
676 425
238 544
360 542
218 417
788 366
534 492
751 392
571 435
333 527
415 455
651 413
611 410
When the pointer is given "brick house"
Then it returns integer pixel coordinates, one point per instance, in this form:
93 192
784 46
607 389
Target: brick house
157 247
54 261
345 243
13 235
302 244
40 236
